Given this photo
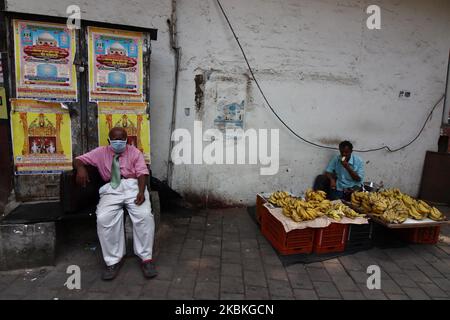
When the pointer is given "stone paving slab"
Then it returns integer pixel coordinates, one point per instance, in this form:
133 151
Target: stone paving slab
221 254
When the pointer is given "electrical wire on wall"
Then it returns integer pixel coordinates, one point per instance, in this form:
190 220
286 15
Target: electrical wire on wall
290 129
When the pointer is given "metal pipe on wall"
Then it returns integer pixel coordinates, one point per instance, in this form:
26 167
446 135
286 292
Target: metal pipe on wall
177 55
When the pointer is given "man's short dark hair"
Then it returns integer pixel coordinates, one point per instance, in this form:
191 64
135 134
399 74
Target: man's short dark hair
124 132
345 144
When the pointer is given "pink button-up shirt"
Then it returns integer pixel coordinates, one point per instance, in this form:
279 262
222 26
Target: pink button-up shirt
132 163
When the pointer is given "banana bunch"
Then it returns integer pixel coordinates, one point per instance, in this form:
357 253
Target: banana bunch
426 210
390 210
361 200
415 214
315 206
436 215
335 214
380 206
300 210
315 195
339 210
357 197
322 206
419 209
392 194
393 216
423 207
376 202
348 212
394 206
278 198
413 206
294 208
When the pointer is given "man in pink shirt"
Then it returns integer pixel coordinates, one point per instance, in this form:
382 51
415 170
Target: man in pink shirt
123 168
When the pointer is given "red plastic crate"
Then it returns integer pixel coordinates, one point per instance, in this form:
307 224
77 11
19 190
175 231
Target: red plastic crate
423 235
286 243
260 200
331 238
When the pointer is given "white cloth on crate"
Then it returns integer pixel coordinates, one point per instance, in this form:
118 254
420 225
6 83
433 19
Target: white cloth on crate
110 222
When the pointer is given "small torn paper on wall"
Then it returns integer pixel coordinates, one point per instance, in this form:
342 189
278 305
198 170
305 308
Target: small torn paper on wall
230 116
225 101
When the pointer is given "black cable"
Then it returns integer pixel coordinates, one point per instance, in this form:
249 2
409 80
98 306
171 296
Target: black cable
289 128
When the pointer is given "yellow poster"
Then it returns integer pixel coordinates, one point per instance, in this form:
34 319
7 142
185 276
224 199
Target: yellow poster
3 110
44 54
42 137
131 116
115 65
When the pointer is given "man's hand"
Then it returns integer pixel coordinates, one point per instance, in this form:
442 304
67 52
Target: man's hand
140 198
345 164
82 177
349 168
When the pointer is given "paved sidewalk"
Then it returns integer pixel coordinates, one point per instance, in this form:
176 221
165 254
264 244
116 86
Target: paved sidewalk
220 254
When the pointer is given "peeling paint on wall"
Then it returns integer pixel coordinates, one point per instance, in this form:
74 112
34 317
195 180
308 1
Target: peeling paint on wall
199 96
330 141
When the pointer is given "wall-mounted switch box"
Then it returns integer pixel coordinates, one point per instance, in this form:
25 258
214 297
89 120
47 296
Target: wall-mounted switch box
404 94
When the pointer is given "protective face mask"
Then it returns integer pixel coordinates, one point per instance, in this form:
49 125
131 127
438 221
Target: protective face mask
118 146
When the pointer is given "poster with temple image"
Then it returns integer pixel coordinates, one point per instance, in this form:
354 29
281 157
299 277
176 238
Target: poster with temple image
42 137
132 116
44 55
115 65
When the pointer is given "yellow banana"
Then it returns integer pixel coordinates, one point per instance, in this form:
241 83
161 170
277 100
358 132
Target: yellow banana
436 215
415 214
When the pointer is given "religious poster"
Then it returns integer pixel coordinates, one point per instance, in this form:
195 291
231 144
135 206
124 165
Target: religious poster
44 54
131 116
115 65
42 137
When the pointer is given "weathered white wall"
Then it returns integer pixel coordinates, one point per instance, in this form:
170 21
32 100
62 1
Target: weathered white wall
325 73
328 76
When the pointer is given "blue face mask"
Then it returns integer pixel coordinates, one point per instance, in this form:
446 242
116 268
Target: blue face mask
118 146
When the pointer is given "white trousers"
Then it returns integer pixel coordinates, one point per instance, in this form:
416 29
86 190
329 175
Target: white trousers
110 222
